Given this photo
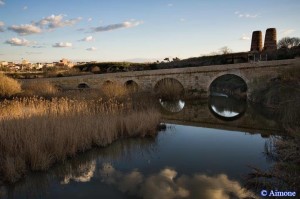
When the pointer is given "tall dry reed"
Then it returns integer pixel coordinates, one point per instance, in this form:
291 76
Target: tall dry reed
35 133
39 88
8 86
114 90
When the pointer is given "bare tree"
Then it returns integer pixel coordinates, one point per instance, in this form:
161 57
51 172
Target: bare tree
176 59
225 50
167 59
288 42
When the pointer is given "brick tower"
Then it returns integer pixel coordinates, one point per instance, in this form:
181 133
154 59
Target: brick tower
256 43
270 40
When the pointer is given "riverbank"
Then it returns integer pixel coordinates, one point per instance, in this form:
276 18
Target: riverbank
38 129
282 95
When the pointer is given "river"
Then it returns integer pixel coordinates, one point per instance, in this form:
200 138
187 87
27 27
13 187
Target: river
205 152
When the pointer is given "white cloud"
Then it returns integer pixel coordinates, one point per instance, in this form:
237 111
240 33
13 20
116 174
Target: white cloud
25 29
62 45
2 2
287 32
51 22
57 21
38 46
91 49
170 5
182 19
89 38
245 15
25 7
18 42
245 37
33 53
90 19
125 24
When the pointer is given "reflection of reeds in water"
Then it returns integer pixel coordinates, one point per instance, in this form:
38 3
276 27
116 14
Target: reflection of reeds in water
285 172
35 133
81 168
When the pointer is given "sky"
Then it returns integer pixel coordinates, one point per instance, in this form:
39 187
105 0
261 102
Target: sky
135 30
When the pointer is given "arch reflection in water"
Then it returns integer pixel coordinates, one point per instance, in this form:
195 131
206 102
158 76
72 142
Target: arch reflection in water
173 106
227 108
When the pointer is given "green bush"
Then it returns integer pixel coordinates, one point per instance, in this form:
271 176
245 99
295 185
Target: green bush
8 86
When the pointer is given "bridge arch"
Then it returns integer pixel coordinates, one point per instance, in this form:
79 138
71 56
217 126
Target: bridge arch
131 85
228 84
83 85
169 88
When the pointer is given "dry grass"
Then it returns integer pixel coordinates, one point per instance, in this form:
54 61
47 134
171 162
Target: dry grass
35 133
8 86
113 90
169 89
39 88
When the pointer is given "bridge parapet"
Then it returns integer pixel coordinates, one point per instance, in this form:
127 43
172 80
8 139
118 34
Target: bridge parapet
193 79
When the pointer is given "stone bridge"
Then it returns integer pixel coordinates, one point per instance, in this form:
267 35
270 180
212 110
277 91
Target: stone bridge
195 80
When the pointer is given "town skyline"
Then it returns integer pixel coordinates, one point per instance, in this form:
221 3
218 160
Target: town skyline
136 31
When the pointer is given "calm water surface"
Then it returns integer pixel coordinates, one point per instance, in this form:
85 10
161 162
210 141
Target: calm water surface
205 152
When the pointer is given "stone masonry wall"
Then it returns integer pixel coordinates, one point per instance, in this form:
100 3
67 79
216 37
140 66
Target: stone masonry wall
193 79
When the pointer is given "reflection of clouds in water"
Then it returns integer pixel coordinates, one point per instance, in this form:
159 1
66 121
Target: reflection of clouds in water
224 113
172 106
84 173
165 185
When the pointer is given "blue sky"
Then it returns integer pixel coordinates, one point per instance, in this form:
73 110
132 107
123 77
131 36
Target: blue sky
121 30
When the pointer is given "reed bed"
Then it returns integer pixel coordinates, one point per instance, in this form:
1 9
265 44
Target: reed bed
35 133
113 90
8 86
39 88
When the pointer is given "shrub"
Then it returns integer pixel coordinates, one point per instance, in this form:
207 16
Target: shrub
8 86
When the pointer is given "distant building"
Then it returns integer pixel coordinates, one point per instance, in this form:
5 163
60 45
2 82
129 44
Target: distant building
4 63
49 65
55 63
66 62
11 64
25 64
15 67
81 63
37 65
